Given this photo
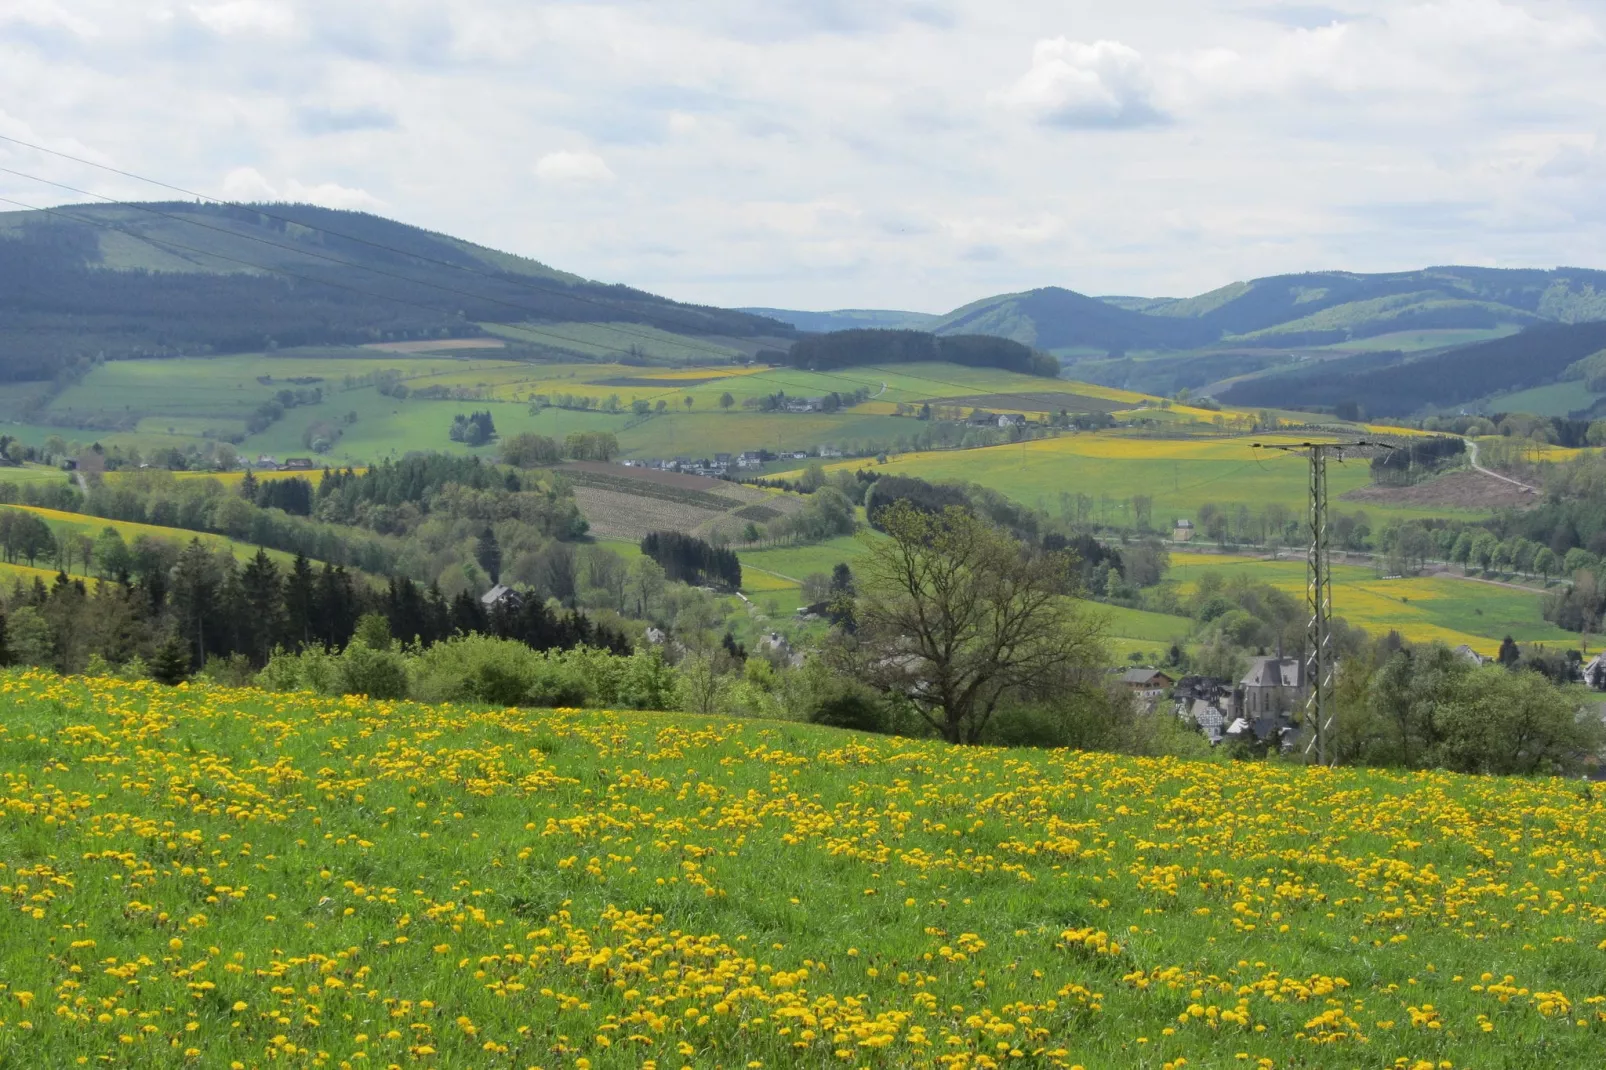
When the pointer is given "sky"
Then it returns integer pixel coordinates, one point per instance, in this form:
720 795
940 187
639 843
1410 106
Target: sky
819 154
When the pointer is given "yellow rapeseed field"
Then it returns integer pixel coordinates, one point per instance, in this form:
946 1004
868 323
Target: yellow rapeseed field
200 877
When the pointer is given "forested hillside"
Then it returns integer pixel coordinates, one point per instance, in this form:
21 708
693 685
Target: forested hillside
1053 318
116 281
846 349
1537 355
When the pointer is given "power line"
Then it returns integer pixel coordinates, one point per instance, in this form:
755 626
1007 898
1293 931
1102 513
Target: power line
1320 657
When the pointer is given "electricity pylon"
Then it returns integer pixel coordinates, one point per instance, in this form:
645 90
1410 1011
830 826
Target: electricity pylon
1320 662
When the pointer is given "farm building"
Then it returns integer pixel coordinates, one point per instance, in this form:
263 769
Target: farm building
502 596
1147 684
1183 531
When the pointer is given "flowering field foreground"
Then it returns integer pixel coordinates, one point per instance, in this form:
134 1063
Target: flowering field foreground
234 878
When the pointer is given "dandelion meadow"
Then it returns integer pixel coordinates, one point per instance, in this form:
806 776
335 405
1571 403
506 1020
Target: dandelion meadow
210 877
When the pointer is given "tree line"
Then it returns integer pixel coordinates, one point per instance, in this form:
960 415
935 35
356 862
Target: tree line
688 559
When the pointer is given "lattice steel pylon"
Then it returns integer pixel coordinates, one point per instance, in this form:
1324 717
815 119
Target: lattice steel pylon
1320 663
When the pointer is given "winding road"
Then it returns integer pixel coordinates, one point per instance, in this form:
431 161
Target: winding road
1472 448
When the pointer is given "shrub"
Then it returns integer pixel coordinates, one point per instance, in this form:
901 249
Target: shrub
381 674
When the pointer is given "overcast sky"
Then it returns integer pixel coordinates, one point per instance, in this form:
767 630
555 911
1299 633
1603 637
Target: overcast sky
910 154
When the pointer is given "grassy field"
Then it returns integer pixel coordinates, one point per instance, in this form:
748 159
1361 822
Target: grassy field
1557 399
11 573
775 574
1179 474
33 473
1415 341
1422 609
208 877
83 524
181 401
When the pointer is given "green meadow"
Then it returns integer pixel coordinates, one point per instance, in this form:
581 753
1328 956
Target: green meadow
1178 474
1440 608
207 877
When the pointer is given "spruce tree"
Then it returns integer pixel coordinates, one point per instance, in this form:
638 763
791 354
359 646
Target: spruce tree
489 554
299 597
263 596
171 663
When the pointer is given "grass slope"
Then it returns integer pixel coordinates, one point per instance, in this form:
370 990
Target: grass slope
223 877
1422 609
83 524
1180 474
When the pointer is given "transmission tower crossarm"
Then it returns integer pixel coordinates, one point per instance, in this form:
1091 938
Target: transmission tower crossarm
1320 663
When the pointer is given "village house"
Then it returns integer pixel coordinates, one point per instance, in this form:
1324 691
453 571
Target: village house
1147 685
1209 719
296 464
830 451
502 597
1183 531
1011 419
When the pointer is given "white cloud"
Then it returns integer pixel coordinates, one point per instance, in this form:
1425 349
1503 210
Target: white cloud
829 153
248 184
45 14
1072 84
245 16
573 169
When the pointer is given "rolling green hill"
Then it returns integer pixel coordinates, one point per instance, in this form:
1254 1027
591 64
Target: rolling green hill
1062 321
1265 328
1313 309
139 280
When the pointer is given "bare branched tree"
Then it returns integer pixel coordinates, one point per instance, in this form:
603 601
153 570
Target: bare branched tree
955 614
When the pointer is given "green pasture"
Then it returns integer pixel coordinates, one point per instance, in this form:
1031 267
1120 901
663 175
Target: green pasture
703 434
1415 341
1557 399
385 883
1441 608
390 428
1178 474
63 523
33 473
797 562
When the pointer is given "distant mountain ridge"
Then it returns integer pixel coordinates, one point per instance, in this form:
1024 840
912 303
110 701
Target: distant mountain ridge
1311 309
125 280
847 319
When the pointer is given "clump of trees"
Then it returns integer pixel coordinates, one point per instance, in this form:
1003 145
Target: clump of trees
1429 708
591 446
689 559
475 429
